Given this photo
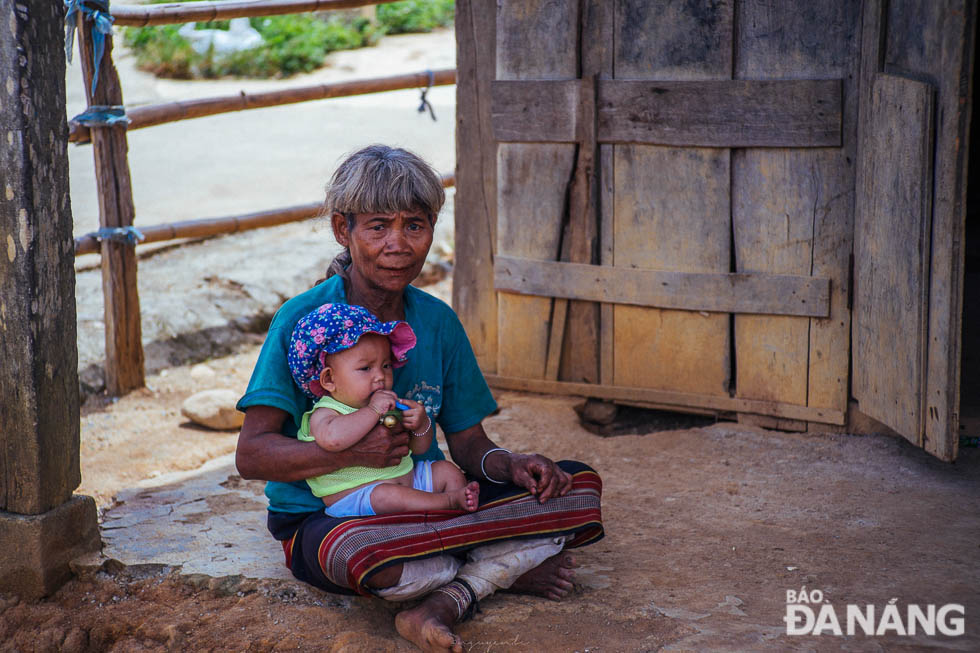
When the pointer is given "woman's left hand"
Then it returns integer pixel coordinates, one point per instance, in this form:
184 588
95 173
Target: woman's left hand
540 476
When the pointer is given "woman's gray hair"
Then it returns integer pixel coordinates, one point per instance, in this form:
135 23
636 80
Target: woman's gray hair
382 179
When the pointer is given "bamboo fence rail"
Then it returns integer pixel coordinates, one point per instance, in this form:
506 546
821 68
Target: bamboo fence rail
89 244
190 12
158 114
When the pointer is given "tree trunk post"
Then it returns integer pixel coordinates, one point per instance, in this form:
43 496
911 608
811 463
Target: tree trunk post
43 526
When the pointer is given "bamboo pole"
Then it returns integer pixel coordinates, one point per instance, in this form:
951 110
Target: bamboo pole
88 244
123 331
189 12
158 114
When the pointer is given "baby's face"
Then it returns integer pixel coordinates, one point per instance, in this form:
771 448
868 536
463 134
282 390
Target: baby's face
357 372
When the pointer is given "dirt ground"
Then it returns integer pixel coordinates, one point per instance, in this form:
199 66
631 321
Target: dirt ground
706 530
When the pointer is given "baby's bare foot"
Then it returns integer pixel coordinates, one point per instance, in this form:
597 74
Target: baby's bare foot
465 498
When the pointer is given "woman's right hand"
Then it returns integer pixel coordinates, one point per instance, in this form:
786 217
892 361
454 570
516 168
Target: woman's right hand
264 453
381 447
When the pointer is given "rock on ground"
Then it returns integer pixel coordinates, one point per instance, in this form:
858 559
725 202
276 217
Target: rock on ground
214 409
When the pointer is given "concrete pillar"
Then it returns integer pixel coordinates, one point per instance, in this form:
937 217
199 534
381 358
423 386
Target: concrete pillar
42 524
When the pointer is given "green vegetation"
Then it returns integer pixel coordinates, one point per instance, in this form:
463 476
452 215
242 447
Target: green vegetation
293 43
415 15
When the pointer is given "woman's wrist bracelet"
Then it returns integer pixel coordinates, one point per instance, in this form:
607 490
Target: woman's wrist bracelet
483 470
426 431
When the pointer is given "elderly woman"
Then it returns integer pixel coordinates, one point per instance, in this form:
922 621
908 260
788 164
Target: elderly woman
383 204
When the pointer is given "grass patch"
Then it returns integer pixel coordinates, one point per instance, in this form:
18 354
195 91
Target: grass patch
415 15
294 43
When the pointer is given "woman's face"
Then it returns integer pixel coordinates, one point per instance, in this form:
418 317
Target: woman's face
387 249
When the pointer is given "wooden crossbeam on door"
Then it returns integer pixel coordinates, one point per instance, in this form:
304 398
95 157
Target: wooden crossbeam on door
716 113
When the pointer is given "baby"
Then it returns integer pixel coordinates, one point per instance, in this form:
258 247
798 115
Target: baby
342 356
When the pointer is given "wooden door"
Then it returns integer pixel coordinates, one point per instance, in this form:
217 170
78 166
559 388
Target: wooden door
910 219
674 203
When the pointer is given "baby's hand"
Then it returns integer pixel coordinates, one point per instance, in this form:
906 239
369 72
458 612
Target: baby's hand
414 419
382 401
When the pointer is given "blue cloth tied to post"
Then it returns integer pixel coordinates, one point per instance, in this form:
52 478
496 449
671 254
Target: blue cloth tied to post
99 115
98 12
129 235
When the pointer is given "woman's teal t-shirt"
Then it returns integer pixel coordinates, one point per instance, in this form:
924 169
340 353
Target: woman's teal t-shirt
441 373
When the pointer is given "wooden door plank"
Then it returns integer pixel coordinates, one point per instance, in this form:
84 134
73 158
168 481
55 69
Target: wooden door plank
581 356
579 351
891 254
748 292
671 399
529 226
947 265
607 181
559 322
539 111
578 227
536 39
775 194
873 21
793 209
673 222
600 29
722 113
935 41
714 113
672 205
474 298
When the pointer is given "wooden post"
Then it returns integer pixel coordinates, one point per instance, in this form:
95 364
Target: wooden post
42 525
123 344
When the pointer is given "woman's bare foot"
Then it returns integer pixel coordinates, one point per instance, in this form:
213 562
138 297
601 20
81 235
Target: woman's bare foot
465 498
551 579
427 625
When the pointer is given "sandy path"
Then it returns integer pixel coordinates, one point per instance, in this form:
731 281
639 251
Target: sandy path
264 158
197 300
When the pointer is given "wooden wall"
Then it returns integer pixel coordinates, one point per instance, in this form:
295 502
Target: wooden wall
671 218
